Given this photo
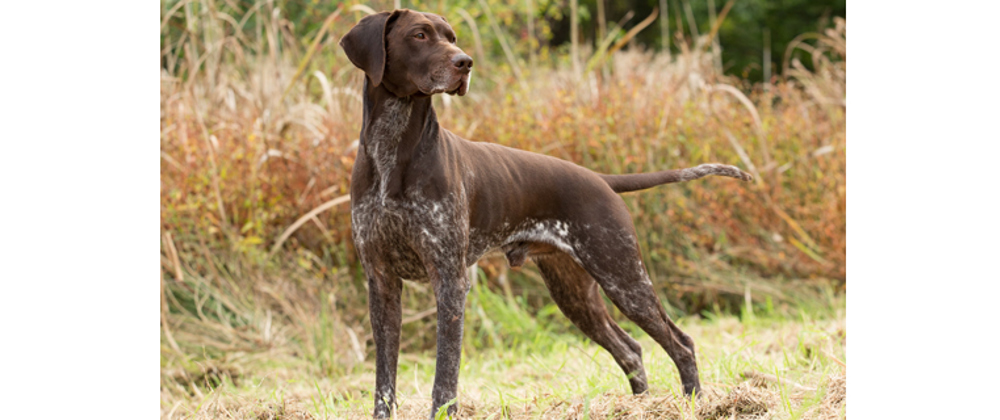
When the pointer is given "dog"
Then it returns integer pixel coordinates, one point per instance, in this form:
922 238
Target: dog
427 204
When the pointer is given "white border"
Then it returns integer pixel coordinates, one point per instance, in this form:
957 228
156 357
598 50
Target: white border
79 209
922 210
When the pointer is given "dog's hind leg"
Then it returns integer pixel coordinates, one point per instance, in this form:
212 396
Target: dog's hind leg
611 256
384 293
639 303
576 294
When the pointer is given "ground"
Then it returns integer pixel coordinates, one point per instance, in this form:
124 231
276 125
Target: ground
793 366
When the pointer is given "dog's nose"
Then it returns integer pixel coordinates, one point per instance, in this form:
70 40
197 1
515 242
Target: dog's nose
462 62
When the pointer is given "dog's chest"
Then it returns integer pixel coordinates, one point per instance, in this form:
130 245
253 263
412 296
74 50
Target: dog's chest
402 223
400 235
382 238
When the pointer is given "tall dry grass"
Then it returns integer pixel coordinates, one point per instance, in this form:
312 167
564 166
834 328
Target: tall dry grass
258 128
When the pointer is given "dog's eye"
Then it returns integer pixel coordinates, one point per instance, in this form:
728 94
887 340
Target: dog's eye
420 36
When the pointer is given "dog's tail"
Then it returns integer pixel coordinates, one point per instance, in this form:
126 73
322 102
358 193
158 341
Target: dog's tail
635 182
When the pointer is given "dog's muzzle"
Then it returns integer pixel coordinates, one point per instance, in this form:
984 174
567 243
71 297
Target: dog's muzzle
463 64
463 85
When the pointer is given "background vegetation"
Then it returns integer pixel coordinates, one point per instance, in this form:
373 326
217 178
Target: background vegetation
260 112
753 30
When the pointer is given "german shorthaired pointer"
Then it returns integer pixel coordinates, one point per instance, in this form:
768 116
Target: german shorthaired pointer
426 205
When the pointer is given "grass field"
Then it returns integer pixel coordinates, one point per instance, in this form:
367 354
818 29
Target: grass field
763 365
264 303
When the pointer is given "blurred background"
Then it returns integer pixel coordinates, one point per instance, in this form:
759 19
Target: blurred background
261 110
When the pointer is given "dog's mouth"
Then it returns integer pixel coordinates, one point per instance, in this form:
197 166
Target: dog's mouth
460 86
463 85
461 90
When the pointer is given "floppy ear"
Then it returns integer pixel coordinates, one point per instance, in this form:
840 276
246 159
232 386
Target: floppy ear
364 44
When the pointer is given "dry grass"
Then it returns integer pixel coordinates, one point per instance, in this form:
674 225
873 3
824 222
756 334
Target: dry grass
250 144
248 148
751 368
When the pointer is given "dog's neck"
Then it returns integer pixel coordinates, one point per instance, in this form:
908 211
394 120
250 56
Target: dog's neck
395 129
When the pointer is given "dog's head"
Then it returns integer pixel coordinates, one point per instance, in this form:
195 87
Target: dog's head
411 53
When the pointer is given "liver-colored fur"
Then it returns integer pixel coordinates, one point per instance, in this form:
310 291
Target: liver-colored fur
427 204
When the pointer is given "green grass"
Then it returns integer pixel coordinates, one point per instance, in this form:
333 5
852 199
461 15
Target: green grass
534 367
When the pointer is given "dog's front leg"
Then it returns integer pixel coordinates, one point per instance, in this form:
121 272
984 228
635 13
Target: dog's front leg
450 290
386 316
